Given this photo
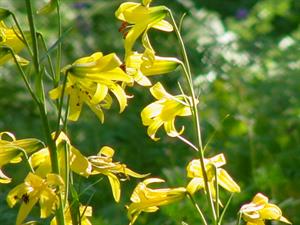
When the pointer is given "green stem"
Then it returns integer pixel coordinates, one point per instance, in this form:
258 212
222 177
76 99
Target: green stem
59 46
22 34
198 209
187 72
43 113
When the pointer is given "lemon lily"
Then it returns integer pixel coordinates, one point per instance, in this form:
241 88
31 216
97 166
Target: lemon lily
79 164
164 111
103 163
89 80
140 17
145 199
10 38
213 170
259 210
13 150
36 189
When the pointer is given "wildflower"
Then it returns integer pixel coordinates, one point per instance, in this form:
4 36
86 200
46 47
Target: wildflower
85 212
102 163
89 80
164 111
79 164
36 189
9 38
140 17
145 199
213 169
259 210
140 68
12 151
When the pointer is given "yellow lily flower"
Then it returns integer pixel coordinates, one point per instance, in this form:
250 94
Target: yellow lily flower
140 17
12 151
85 212
79 164
259 210
89 80
36 189
103 163
194 171
10 38
164 111
145 199
140 68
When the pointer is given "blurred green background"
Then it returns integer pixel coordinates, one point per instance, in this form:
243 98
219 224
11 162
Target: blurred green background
245 58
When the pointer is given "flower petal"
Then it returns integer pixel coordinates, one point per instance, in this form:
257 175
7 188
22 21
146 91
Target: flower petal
225 180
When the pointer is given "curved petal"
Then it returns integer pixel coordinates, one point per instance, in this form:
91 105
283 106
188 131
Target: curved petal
153 127
100 93
120 95
171 130
163 25
75 105
149 112
194 185
158 91
115 186
225 180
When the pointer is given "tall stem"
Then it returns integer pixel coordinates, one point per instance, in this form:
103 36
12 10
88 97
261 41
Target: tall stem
43 113
196 119
58 55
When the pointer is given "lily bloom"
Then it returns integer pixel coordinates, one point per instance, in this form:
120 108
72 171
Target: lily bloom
103 163
36 189
12 151
164 111
145 199
79 164
11 39
140 17
140 68
259 210
89 80
194 171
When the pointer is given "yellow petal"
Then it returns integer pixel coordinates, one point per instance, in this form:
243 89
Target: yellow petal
163 25
153 127
158 91
120 95
115 186
100 93
160 65
225 180
171 130
75 106
149 112
194 185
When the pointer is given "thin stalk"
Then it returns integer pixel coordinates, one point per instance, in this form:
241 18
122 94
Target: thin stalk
59 46
187 72
239 219
217 194
43 113
48 56
225 209
61 105
22 34
198 209
27 84
67 172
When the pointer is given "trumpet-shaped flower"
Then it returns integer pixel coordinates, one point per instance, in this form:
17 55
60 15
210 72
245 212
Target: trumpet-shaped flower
145 199
12 151
36 189
89 80
79 164
140 68
140 17
213 169
85 212
11 39
259 210
164 111
103 163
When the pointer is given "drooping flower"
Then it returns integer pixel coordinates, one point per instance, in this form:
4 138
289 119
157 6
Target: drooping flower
164 111
89 80
12 151
140 68
79 164
259 210
10 38
103 163
85 212
212 164
36 189
145 199
140 17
